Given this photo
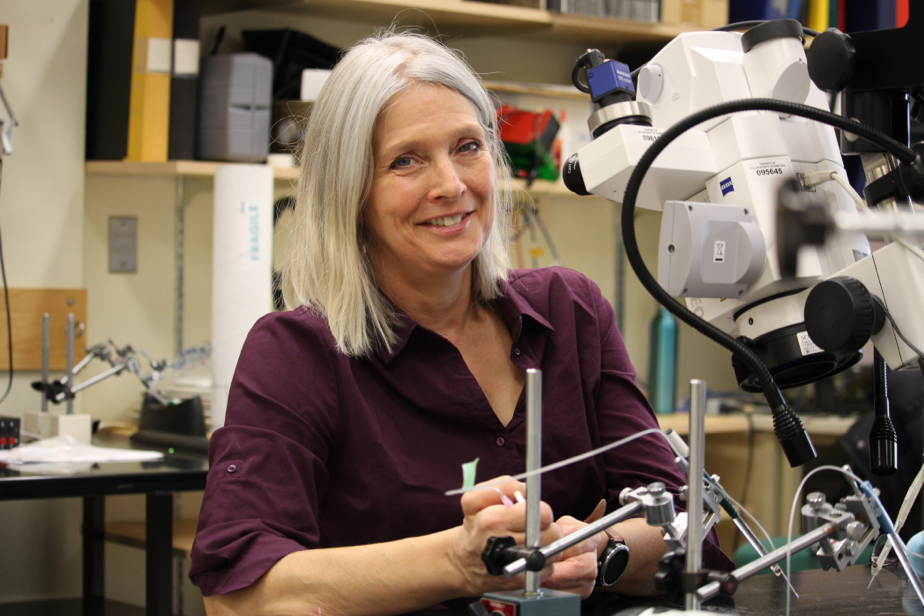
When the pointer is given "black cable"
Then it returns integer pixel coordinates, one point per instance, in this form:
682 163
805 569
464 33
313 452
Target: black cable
9 325
897 331
588 59
787 426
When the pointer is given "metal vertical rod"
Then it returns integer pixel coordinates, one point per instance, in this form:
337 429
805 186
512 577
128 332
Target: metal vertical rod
901 552
70 360
695 485
533 462
180 214
46 348
921 495
619 259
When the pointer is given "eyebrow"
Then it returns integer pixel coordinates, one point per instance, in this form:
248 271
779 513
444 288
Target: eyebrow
399 147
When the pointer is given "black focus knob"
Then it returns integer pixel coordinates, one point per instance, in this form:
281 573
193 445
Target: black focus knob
840 314
832 60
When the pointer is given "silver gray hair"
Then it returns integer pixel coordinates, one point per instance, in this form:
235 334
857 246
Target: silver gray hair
328 265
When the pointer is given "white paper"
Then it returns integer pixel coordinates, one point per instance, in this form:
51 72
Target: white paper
67 449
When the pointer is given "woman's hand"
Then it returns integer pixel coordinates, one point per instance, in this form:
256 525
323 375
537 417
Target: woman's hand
487 516
576 572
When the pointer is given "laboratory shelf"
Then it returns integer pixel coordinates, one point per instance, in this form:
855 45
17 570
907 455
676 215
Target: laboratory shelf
466 16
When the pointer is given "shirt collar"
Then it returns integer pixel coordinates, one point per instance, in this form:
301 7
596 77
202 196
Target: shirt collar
404 326
511 304
513 307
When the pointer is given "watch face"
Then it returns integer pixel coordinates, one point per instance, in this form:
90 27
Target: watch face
614 563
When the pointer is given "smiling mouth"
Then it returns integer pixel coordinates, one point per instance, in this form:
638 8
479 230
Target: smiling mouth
446 221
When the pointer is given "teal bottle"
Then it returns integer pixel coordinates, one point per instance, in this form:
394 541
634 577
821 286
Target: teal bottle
662 368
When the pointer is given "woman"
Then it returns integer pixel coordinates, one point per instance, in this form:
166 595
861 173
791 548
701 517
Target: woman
350 416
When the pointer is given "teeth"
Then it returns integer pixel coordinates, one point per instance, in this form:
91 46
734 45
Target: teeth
446 221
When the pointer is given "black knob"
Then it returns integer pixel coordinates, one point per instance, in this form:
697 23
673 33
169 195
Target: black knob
832 60
840 314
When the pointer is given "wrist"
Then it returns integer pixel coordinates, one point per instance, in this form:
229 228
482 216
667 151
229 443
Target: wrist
608 533
460 575
613 560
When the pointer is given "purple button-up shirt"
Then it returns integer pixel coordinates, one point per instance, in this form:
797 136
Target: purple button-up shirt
323 450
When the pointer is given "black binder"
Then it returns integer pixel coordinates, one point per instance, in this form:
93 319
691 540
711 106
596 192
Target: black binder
111 36
184 82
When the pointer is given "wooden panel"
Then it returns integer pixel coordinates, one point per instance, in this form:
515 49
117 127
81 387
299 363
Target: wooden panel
134 534
26 309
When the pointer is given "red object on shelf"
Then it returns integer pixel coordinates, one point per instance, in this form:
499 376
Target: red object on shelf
524 127
901 13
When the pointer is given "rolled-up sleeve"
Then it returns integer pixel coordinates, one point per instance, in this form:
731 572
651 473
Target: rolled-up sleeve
623 410
267 470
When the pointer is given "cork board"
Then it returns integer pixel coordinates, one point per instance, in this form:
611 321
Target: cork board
26 309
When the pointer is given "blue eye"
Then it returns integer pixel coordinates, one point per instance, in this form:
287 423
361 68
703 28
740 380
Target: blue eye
401 161
471 146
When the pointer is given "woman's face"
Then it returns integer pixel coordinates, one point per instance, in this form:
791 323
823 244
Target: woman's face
431 205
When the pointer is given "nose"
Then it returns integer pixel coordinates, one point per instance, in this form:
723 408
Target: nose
447 183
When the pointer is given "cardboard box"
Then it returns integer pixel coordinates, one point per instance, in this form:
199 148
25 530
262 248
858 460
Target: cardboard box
705 14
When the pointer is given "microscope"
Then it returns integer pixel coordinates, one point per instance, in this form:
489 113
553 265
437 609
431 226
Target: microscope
729 136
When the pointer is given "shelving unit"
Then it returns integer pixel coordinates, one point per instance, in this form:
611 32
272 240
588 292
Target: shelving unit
206 169
172 168
453 18
460 16
450 16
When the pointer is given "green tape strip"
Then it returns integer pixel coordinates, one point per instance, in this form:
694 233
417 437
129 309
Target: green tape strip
468 474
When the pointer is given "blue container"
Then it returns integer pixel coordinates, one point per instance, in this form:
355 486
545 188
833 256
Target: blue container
662 367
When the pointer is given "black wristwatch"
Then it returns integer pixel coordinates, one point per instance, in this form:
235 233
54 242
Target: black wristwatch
612 562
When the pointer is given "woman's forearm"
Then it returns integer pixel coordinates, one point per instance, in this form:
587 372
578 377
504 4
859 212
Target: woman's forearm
393 577
385 578
645 550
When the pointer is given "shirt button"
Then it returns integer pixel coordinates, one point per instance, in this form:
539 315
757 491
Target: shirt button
516 352
232 468
500 441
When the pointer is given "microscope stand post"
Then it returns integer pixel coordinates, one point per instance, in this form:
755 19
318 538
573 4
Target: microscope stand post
695 491
533 600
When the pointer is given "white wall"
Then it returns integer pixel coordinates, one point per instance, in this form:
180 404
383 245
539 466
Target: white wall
41 216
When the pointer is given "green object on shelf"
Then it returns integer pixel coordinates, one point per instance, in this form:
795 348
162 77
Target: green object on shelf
522 162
